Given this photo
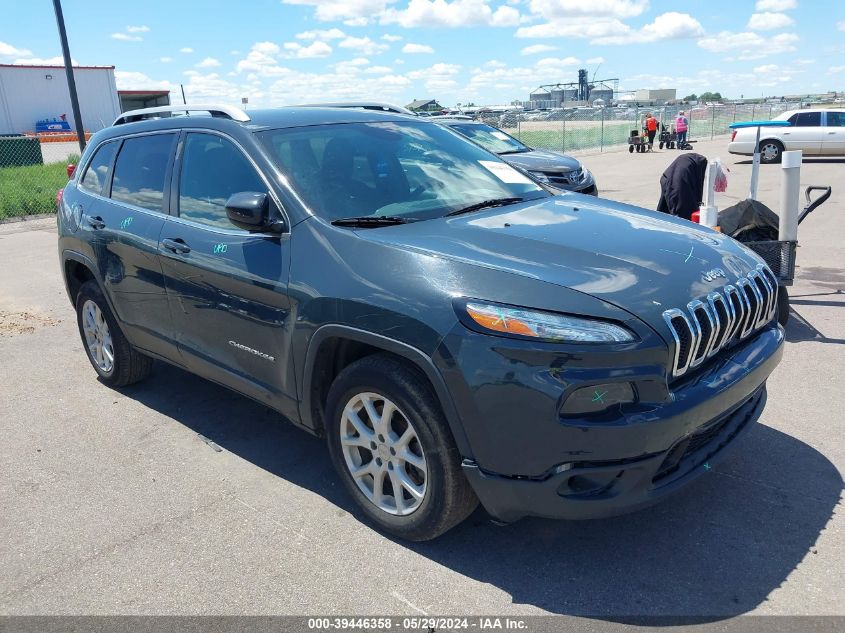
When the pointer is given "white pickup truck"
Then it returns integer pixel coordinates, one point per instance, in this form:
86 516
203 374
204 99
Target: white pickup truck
815 132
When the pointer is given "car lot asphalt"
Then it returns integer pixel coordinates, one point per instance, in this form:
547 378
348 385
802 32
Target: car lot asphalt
175 496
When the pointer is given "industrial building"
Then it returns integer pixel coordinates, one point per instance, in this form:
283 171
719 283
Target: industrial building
36 98
655 97
580 93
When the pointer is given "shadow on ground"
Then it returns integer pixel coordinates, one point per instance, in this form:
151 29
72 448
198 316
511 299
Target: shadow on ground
715 550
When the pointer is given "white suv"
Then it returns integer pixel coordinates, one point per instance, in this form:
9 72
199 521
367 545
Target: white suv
815 132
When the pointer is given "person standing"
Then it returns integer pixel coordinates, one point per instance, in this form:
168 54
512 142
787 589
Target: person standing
681 127
651 129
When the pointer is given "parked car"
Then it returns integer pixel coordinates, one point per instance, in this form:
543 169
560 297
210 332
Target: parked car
814 132
456 332
551 168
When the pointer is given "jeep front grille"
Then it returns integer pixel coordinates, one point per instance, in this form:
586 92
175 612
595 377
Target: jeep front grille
721 318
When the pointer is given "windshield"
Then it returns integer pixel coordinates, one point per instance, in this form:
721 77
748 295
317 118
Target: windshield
490 138
411 170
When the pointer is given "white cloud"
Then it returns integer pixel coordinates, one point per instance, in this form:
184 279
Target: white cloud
537 48
836 69
327 35
595 61
748 45
165 60
454 13
316 49
352 11
416 49
557 62
775 5
378 70
129 80
840 25
260 61
769 21
186 50
564 9
437 78
387 37
584 28
766 68
209 62
667 26
125 37
44 61
363 45
7 50
137 29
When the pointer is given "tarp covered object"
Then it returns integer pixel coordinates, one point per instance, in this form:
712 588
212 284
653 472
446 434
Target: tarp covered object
749 221
682 185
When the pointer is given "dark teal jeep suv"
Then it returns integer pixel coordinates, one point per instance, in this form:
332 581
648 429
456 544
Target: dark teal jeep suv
455 330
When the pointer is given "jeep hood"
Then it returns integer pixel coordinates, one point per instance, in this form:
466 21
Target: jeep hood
641 261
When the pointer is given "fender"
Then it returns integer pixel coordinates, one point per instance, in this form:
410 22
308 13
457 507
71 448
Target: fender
69 255
420 360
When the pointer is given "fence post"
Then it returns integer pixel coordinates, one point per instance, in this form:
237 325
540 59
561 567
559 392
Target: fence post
770 111
601 146
734 121
563 132
712 122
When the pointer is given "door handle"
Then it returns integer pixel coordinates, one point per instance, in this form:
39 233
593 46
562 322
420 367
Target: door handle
96 222
834 132
176 245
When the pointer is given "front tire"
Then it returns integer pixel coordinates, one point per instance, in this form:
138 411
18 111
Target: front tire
393 450
116 362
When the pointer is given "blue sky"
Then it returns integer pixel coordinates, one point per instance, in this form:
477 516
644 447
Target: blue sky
280 52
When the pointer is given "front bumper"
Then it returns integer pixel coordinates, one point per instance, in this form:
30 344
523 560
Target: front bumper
528 460
602 489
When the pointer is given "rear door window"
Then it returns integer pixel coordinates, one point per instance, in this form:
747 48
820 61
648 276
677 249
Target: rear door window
97 172
212 170
806 119
141 171
836 119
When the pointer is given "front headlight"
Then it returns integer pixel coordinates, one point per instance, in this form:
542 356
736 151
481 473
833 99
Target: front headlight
545 325
540 176
586 175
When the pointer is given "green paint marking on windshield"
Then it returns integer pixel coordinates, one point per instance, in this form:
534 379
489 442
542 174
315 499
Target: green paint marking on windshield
707 466
599 397
690 254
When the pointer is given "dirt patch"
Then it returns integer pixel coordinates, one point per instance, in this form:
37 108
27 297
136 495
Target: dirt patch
26 322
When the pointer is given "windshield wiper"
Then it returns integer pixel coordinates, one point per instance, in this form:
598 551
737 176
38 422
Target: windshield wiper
515 151
373 221
485 204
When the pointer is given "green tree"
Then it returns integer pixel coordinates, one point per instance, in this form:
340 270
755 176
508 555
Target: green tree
691 97
710 96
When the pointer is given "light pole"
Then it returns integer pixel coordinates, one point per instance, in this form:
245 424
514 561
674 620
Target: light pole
71 84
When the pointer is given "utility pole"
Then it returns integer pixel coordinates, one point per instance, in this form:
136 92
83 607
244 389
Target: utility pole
71 84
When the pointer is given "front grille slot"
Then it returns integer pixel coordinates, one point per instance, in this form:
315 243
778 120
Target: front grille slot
707 326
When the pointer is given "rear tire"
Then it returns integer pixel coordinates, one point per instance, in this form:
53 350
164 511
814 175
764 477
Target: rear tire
411 449
630 149
770 151
116 362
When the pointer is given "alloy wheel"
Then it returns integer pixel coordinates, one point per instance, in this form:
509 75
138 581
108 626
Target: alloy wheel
383 454
770 152
97 337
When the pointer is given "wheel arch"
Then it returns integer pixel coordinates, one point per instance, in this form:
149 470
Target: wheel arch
78 269
333 347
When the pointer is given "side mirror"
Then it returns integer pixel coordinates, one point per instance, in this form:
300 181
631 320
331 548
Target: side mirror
250 211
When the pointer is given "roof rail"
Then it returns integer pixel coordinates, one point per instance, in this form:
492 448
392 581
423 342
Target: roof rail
364 105
224 111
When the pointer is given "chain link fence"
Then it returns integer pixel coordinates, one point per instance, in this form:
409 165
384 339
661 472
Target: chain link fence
608 129
32 170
